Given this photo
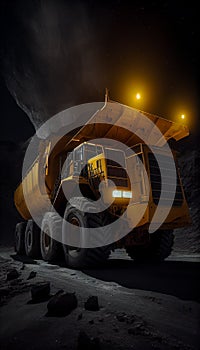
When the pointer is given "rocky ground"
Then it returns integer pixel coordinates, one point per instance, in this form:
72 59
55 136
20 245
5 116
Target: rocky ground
140 307
133 306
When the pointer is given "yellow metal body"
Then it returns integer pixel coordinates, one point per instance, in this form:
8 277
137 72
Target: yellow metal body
31 187
178 215
52 156
98 170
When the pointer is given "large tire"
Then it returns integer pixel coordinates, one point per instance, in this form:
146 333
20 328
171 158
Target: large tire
19 238
79 213
158 249
32 240
51 250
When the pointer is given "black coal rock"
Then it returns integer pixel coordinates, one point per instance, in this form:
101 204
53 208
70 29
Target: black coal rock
121 317
92 303
40 291
4 292
80 316
62 304
32 275
137 329
12 274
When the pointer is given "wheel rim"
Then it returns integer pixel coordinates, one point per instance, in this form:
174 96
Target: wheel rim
74 222
29 240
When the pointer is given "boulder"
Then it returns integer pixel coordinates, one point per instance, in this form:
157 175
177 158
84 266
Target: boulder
32 275
12 274
40 291
92 303
61 304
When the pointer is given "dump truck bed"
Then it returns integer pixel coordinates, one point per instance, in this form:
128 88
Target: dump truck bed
128 125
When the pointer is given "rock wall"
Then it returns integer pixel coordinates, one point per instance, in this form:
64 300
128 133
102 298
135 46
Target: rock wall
11 157
188 239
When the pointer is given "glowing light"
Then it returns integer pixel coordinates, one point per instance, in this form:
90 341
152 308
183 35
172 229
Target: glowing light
116 194
138 96
119 194
182 116
127 194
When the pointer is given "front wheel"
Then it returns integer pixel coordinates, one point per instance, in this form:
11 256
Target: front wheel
158 248
81 214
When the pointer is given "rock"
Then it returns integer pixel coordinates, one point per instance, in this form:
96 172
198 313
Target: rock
121 317
60 291
16 282
130 319
115 329
12 274
92 304
4 292
62 304
137 329
40 291
159 339
32 275
87 343
80 316
91 322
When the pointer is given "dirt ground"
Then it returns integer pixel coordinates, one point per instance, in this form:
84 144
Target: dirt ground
141 307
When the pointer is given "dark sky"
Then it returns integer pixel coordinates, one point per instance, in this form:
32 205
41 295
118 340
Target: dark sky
150 47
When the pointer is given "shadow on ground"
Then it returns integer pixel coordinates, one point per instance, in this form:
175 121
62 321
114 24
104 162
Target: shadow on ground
177 278
23 258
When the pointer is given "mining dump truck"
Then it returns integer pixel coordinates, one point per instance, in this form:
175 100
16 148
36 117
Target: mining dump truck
76 164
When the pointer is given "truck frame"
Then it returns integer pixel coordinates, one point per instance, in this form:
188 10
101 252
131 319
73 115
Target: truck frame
78 166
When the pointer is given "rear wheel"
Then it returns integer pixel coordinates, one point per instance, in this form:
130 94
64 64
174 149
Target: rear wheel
32 240
79 214
19 238
158 249
51 249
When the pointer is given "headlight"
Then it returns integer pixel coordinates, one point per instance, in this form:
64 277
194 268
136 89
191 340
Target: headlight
116 194
127 194
120 194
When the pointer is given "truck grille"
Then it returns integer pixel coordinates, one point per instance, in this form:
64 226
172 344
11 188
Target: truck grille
155 177
117 174
115 171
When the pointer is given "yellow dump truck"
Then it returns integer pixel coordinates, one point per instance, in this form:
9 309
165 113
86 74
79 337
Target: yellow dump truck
131 185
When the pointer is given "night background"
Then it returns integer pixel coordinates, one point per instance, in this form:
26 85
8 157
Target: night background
58 54
65 53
